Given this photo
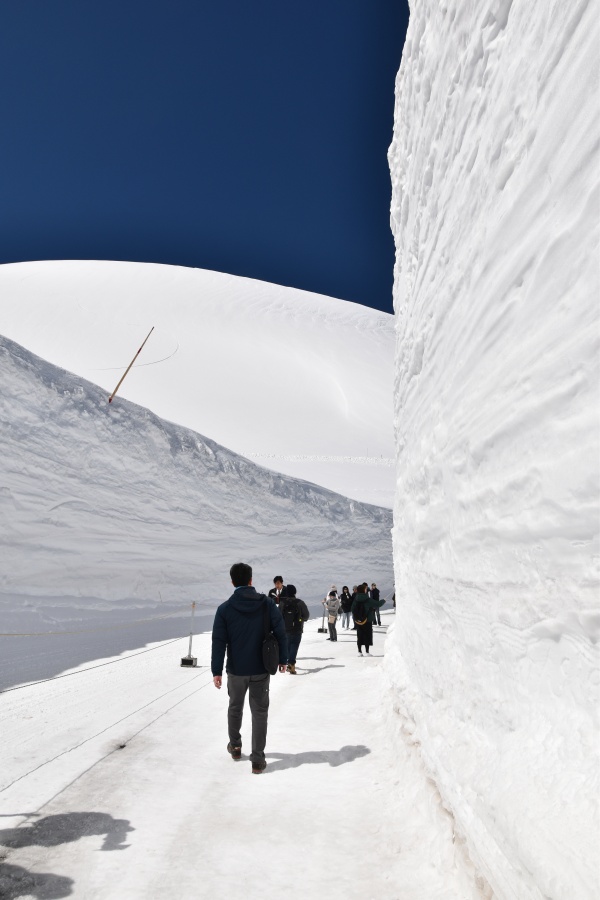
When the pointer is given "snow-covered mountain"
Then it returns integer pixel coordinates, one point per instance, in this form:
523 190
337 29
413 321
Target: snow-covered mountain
110 508
300 382
495 213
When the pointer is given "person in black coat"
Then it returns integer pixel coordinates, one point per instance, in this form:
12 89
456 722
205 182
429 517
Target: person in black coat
346 601
363 608
239 631
375 596
295 613
352 596
276 591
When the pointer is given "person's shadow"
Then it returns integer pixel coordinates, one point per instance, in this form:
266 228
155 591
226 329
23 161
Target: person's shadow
18 882
318 658
66 828
331 757
303 671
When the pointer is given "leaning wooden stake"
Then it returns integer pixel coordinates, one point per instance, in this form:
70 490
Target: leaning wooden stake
110 399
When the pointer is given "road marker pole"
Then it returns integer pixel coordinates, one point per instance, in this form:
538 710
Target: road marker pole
190 660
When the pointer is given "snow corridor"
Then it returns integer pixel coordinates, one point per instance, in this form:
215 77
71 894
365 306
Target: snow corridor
119 786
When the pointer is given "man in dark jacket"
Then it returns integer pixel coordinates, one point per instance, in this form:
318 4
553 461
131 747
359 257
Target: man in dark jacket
375 596
239 629
277 590
295 613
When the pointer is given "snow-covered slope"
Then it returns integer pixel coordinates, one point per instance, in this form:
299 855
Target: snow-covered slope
298 381
495 213
109 507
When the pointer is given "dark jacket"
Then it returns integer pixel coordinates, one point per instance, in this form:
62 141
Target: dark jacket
370 605
346 602
375 594
239 629
275 596
296 627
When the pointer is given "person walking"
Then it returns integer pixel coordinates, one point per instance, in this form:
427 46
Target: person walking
276 591
352 596
295 613
363 608
346 601
332 605
375 596
239 631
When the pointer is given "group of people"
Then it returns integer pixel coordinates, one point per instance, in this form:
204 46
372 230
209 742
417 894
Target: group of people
239 632
361 606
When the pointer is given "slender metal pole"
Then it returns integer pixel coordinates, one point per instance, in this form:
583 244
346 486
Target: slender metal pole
110 399
191 628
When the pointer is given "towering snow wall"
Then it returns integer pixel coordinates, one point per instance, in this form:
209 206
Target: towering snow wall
111 507
495 213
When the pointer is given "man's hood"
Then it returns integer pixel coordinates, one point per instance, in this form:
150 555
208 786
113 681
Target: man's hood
247 600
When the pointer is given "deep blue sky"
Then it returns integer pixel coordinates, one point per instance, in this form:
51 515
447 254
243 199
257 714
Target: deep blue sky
247 136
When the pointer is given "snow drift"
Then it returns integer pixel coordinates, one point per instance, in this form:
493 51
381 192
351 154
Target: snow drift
298 381
495 216
111 507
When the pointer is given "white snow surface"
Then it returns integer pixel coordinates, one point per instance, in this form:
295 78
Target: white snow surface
494 166
300 382
132 795
110 511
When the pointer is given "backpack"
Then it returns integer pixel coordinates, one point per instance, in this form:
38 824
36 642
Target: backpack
270 645
360 612
290 610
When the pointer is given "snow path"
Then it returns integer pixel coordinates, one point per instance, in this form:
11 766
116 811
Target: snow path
343 809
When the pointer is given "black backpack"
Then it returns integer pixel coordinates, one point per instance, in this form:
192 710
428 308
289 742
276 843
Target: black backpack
360 612
270 645
290 610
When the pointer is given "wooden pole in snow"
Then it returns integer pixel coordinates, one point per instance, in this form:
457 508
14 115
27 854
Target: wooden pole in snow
110 399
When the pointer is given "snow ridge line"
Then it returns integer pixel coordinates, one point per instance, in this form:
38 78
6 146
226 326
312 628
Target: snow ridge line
114 724
362 460
89 668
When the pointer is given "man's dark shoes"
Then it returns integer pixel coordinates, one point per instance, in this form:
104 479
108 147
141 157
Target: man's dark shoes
236 752
259 767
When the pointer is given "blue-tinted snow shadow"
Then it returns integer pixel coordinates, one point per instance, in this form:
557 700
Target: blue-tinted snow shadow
35 657
15 881
50 831
333 758
303 671
64 828
318 658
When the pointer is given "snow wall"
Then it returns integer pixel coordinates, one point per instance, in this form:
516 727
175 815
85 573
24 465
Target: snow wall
494 165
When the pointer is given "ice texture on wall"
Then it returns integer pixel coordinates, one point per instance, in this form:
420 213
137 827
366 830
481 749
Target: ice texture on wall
494 167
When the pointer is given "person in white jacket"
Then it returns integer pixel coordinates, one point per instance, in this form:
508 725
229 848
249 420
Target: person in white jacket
332 605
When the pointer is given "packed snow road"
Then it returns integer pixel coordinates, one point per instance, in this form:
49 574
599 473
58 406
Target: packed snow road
116 783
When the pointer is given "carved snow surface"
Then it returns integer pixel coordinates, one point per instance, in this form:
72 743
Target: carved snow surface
494 167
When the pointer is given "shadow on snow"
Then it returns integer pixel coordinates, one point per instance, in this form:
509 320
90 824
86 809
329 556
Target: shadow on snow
51 831
66 828
18 882
332 757
303 671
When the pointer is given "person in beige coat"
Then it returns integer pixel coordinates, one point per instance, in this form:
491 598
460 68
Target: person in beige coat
332 605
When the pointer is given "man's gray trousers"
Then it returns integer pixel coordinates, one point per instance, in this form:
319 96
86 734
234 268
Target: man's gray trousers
258 688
